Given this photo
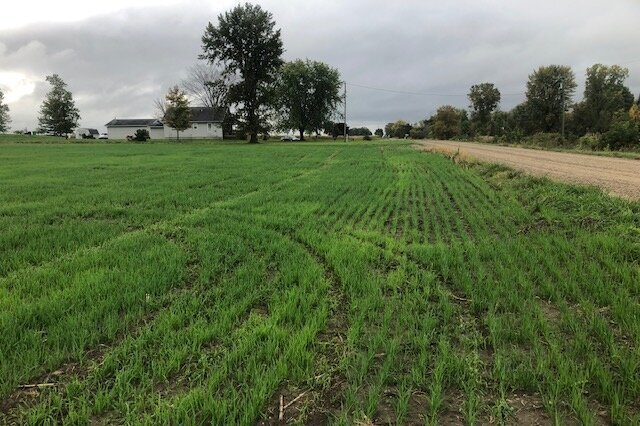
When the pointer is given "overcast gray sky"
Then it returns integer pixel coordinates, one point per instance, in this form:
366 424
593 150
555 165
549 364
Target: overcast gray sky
118 56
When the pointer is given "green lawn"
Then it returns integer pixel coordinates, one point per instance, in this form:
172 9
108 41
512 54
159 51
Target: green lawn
197 283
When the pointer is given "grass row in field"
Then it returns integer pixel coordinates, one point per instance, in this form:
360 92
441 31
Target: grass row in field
373 282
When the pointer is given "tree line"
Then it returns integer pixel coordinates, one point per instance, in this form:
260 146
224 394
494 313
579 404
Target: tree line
243 72
608 116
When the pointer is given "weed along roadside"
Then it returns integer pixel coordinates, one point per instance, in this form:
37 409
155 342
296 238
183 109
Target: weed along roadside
360 283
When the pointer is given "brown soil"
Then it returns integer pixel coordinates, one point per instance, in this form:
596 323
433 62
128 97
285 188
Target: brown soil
617 176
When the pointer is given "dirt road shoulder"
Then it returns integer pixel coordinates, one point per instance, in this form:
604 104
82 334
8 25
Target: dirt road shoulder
617 176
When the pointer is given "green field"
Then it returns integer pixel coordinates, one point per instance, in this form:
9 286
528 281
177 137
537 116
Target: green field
199 283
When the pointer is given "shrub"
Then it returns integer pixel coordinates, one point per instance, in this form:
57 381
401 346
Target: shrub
590 141
545 140
141 135
366 138
622 133
418 133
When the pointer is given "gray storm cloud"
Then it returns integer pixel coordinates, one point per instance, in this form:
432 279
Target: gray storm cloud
117 64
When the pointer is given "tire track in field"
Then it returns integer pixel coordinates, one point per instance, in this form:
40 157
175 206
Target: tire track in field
321 400
73 369
155 226
97 354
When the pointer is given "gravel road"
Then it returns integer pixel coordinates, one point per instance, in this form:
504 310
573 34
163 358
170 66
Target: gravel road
617 176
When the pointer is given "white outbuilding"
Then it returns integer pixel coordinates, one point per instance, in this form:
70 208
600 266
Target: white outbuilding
205 123
120 128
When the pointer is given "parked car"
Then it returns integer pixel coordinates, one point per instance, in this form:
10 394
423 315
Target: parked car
103 136
289 138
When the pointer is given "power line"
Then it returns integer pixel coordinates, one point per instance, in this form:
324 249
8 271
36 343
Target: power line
404 92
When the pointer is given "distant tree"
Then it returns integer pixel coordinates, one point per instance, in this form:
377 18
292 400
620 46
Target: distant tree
604 95
634 113
501 123
388 130
246 42
308 93
624 132
141 135
160 105
398 129
4 114
58 113
359 131
448 122
208 84
520 119
484 99
548 89
379 133
177 112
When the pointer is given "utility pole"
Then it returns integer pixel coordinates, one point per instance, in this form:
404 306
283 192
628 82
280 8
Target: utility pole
346 135
563 106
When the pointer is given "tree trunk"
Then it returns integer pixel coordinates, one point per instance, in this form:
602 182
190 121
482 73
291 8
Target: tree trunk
253 125
178 134
301 134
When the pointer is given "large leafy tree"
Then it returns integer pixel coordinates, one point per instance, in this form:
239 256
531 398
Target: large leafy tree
549 90
178 113
448 122
4 114
484 99
246 42
397 129
308 93
58 113
604 95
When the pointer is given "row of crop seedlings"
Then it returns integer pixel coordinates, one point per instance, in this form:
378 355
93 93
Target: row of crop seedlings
522 334
227 321
407 334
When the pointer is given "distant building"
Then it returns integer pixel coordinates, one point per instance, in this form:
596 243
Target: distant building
86 133
206 123
120 128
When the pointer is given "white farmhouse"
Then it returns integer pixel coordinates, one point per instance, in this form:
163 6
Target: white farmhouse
120 128
206 123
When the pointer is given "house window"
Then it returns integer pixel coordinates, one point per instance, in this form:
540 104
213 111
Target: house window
195 126
209 126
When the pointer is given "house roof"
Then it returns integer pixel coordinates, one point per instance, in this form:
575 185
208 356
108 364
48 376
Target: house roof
198 115
133 122
207 114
